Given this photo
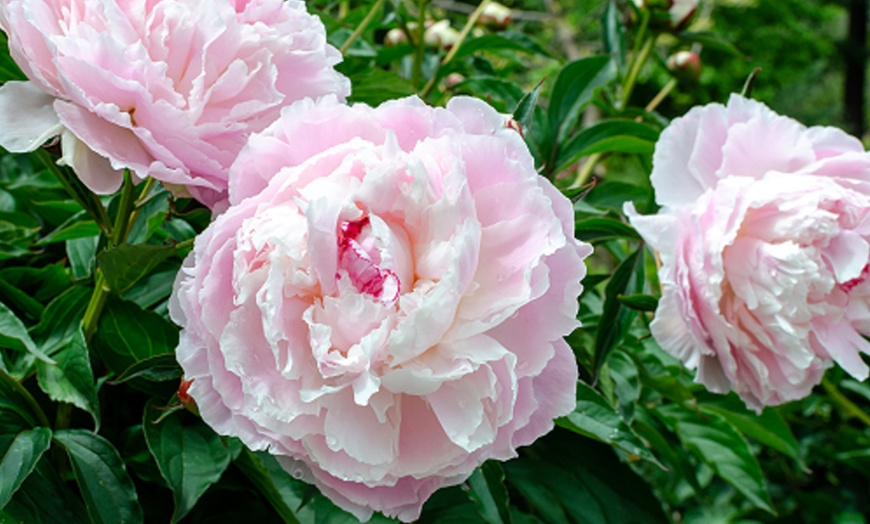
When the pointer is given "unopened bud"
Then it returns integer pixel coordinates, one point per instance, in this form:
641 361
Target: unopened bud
394 37
495 16
685 65
453 79
440 34
185 399
681 11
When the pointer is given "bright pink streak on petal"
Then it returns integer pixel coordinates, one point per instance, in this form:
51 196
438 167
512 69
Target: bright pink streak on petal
361 264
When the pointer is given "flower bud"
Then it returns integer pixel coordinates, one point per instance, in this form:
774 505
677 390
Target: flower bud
185 398
495 16
440 34
453 79
394 37
685 65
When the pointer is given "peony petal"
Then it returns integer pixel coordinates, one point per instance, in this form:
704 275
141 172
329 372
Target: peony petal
27 117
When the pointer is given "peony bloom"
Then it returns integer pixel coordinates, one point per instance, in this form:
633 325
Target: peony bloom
383 304
167 89
764 238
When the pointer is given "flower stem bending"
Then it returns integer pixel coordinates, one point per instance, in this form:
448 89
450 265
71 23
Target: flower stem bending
847 406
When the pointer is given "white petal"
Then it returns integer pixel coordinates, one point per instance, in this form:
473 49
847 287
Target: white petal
27 118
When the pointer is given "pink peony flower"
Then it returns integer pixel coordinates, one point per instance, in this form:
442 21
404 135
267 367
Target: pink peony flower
167 89
383 304
764 238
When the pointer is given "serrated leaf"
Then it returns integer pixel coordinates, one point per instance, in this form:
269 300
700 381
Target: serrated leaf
638 302
14 335
573 90
595 418
720 446
19 460
599 229
102 477
191 457
616 318
71 378
489 493
127 334
124 265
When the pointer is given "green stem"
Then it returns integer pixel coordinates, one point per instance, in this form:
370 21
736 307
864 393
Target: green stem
63 416
472 19
848 407
362 26
585 170
123 220
420 54
253 468
77 190
654 103
636 66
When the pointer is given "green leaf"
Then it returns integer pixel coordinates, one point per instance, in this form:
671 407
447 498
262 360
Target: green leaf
282 491
13 334
768 428
721 447
569 479
75 188
526 106
574 87
44 499
19 460
127 334
76 227
489 493
61 319
614 34
17 298
124 265
191 457
81 252
102 478
15 400
610 136
156 369
627 384
616 318
595 418
501 42
599 229
376 86
637 302
71 378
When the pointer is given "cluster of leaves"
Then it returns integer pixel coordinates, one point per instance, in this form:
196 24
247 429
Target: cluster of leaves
91 429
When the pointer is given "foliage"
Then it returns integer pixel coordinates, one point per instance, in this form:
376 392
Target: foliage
91 430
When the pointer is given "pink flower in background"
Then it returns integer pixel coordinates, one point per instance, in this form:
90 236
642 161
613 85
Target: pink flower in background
167 89
764 238
383 304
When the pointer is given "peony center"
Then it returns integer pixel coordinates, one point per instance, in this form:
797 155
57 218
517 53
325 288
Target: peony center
361 258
